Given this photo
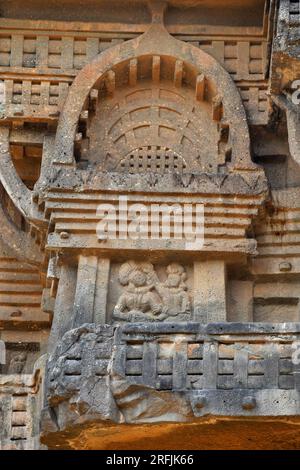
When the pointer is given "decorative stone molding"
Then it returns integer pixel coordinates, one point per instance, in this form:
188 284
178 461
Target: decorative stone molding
147 373
200 71
20 406
174 107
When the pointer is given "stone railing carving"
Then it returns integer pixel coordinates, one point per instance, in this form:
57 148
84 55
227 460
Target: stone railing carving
224 369
20 405
171 372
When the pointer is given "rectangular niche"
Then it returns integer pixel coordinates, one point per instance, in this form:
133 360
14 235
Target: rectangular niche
276 302
276 309
139 290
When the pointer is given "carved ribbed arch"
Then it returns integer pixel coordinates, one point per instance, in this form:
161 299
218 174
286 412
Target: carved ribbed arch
155 56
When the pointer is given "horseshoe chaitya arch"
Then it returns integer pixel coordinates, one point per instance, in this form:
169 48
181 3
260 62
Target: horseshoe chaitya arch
157 56
155 125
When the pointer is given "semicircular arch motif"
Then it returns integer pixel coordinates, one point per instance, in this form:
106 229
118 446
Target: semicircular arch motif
155 126
208 111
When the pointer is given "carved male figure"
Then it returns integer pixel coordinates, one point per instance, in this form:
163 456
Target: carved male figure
138 302
147 298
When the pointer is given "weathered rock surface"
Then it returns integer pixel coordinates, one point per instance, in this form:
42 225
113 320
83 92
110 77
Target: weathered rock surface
149 173
150 373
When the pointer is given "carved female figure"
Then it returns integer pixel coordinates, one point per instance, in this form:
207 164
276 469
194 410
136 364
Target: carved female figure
174 292
138 302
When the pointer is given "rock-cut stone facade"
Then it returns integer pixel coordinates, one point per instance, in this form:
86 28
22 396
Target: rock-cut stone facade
123 127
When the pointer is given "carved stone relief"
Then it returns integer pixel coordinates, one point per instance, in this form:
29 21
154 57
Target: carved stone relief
155 127
145 374
160 117
147 297
17 363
